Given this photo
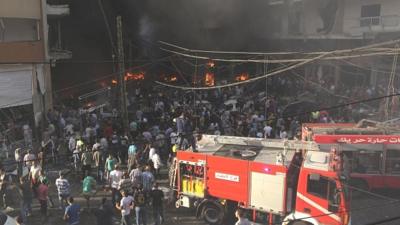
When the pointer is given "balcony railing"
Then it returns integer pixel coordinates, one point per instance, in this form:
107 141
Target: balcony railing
382 21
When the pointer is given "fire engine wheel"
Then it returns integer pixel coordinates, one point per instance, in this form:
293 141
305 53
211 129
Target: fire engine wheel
212 214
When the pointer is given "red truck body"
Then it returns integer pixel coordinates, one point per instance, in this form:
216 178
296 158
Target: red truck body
274 183
372 157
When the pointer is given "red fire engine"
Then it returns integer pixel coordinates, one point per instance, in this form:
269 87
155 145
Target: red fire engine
274 181
368 155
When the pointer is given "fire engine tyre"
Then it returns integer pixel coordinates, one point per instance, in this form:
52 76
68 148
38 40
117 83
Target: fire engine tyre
212 214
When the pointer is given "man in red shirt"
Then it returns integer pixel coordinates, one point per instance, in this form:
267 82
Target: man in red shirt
42 195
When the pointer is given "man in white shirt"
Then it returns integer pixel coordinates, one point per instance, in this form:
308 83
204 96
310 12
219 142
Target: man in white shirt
71 144
125 206
156 163
267 131
115 178
152 151
69 129
29 158
34 175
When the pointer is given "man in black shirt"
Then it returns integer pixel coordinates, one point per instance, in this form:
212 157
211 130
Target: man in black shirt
140 206
157 202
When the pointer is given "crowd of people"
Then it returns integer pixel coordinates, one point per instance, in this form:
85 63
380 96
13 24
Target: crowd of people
126 159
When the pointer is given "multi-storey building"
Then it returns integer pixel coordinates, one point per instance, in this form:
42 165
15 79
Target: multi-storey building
25 54
314 25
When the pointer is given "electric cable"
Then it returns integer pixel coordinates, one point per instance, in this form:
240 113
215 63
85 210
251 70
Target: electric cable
289 68
358 55
113 48
244 53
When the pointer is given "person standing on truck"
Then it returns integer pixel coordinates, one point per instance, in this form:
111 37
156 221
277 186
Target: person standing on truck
241 219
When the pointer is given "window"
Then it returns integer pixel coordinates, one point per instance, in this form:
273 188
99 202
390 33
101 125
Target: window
393 161
318 187
322 187
370 15
367 162
16 29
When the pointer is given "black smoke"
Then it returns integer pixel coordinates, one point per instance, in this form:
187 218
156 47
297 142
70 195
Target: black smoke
207 24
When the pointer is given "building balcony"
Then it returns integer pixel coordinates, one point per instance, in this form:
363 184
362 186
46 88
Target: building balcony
370 25
59 54
57 10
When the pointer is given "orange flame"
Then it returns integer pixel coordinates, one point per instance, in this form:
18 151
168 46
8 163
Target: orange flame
209 79
242 77
173 78
210 64
113 81
134 76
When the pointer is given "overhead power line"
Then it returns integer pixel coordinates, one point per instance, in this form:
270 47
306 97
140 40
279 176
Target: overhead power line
382 53
248 53
305 61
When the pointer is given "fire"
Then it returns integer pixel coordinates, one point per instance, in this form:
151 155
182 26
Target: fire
134 76
209 79
173 78
170 78
210 64
242 77
113 81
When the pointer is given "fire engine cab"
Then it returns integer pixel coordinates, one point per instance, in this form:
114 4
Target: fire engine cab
275 181
368 155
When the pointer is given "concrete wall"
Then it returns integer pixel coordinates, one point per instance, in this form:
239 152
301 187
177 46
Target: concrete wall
29 9
22 34
22 52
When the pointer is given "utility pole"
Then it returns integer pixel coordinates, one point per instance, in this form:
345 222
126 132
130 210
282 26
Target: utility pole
391 88
122 82
266 86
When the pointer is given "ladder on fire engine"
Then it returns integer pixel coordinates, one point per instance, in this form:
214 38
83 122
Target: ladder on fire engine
172 173
267 143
